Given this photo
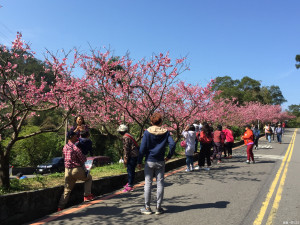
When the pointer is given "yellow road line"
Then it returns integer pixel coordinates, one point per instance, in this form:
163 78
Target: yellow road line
265 204
280 189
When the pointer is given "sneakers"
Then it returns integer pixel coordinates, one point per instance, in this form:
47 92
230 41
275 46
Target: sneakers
197 168
146 211
219 161
89 198
159 211
187 170
248 162
207 169
127 189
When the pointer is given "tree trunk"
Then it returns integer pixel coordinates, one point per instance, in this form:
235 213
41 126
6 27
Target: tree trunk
4 169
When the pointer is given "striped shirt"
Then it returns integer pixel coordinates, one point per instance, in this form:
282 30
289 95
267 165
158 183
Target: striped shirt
73 156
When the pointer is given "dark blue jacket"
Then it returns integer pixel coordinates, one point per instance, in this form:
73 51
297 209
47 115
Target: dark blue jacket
256 133
85 145
154 143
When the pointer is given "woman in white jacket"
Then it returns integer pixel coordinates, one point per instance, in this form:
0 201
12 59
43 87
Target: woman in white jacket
189 135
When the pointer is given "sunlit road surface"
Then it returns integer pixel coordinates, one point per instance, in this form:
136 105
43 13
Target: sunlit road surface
233 192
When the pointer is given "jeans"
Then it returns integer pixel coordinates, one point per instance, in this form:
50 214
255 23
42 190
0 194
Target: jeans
279 137
190 161
131 164
157 168
269 137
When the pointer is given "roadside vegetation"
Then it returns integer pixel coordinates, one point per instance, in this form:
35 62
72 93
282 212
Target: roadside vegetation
57 179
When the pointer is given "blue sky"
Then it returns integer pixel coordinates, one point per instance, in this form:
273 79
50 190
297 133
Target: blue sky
259 39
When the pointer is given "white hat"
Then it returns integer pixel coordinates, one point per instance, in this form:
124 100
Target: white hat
122 128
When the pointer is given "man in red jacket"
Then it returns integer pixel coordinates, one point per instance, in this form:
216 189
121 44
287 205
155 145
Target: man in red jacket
248 140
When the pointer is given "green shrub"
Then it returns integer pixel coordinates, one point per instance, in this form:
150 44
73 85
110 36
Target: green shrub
237 132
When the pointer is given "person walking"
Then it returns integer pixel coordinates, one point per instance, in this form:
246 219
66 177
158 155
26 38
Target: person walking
153 147
273 131
248 140
205 139
268 131
189 135
278 132
130 155
256 134
229 140
74 160
219 139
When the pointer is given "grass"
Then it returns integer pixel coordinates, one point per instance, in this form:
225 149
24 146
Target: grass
57 179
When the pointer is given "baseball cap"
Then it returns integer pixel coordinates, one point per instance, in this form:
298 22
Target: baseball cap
122 128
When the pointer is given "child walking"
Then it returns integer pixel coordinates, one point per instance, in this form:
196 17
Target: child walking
189 135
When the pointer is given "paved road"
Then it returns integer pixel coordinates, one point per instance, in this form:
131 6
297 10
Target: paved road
231 193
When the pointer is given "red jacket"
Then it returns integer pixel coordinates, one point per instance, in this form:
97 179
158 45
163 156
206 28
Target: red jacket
229 135
204 139
248 136
219 136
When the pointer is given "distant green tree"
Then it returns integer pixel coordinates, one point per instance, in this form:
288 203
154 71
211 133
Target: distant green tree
228 87
248 89
29 66
295 110
37 149
276 95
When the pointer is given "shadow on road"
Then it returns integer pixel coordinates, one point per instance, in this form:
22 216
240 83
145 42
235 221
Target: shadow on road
177 208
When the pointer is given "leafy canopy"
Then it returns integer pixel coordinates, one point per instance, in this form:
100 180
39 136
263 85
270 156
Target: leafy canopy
247 90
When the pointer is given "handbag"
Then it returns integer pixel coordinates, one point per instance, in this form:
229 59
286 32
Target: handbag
183 144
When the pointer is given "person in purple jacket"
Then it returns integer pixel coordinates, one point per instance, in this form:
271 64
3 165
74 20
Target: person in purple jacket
153 147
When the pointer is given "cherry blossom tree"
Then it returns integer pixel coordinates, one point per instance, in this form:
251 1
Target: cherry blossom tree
131 93
21 97
185 103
